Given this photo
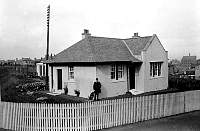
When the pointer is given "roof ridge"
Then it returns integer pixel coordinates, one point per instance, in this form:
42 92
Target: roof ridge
128 47
119 38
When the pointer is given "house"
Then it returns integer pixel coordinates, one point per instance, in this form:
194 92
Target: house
139 63
197 72
188 62
41 66
25 61
187 67
41 69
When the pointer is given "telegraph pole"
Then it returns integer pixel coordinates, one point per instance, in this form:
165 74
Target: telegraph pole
47 53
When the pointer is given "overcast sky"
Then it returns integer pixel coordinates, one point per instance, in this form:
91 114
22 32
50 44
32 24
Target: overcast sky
23 24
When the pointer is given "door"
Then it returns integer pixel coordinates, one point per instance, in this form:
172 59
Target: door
59 78
132 76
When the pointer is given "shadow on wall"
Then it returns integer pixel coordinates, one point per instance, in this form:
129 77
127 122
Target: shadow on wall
103 93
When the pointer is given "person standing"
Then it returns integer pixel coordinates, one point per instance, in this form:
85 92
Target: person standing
97 89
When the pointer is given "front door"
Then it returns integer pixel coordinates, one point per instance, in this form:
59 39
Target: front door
132 76
59 79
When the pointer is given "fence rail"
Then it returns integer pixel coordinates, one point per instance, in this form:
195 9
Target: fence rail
96 115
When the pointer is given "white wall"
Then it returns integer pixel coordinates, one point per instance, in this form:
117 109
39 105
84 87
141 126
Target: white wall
55 75
139 77
84 76
155 53
197 72
38 69
110 87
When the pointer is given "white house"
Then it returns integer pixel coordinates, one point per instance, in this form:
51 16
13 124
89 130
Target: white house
41 69
139 63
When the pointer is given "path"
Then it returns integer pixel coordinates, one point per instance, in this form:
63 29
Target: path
183 122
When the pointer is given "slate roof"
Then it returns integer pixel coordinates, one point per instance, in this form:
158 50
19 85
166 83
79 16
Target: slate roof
102 49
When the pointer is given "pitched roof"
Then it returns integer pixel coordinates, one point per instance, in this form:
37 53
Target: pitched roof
136 45
188 59
102 49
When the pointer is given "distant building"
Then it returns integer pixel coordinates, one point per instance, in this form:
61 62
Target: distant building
198 62
188 62
25 61
41 69
187 67
2 62
197 72
41 66
10 62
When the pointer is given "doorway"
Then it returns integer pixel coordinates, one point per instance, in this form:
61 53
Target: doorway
132 76
59 78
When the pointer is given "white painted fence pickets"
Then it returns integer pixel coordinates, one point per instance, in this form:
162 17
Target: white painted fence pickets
96 115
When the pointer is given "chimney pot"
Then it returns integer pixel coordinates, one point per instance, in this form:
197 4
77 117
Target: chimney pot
85 33
136 35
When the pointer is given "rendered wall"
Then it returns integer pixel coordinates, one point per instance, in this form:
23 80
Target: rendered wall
84 76
38 69
55 80
155 53
84 79
111 87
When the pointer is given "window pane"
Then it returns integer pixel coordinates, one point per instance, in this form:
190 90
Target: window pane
112 75
151 69
159 68
155 69
71 72
120 71
40 70
113 72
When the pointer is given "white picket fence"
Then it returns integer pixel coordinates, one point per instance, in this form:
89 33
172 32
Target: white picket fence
96 115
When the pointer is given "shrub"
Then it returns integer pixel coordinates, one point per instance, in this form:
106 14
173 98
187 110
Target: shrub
184 84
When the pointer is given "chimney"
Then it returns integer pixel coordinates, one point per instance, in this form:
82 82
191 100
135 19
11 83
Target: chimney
85 34
136 35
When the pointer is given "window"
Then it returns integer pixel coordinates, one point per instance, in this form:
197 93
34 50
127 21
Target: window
155 69
43 70
71 72
40 70
117 72
113 72
120 71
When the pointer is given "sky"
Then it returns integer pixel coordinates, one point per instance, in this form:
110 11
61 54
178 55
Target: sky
23 24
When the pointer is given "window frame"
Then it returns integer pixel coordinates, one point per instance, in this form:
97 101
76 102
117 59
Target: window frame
155 69
70 72
117 72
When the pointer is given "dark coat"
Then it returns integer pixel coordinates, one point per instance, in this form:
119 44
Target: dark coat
97 87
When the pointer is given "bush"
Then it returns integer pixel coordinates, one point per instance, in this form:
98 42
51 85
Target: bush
36 86
184 84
